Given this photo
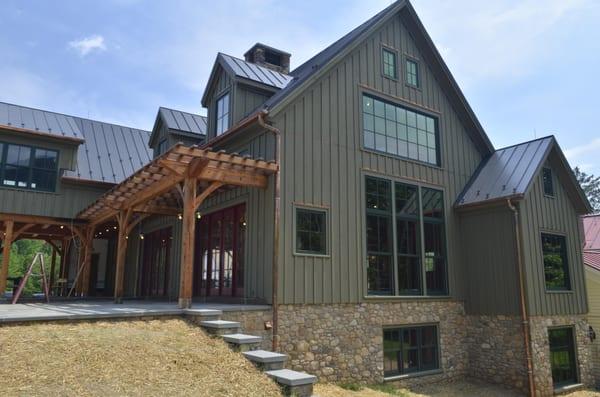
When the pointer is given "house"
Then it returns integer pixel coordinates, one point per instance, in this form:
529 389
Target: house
356 194
591 258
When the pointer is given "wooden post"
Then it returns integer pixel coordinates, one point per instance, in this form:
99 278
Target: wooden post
52 268
123 219
187 243
64 265
88 247
8 239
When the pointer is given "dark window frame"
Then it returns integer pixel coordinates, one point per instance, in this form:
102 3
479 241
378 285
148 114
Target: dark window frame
570 348
325 233
398 334
218 118
162 146
548 182
31 167
408 73
414 133
567 286
373 268
386 49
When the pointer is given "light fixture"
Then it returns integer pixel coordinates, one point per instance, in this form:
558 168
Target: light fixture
114 227
198 215
141 236
100 233
107 230
244 223
126 237
179 216
62 227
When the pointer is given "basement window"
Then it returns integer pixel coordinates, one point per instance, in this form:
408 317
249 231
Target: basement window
562 356
556 265
410 350
548 182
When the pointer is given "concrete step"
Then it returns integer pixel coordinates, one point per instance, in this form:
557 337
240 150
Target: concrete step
266 360
203 314
221 327
242 342
294 383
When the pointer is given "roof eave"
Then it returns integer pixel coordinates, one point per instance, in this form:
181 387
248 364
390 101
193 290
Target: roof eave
47 135
488 202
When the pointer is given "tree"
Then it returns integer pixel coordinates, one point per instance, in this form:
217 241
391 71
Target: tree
591 186
21 255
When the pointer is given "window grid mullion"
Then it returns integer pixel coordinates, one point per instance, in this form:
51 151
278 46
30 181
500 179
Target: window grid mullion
395 271
422 243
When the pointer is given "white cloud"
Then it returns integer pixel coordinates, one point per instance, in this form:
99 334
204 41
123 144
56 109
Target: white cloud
579 151
88 44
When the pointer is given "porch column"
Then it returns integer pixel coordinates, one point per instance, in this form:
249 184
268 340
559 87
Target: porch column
52 267
123 219
187 243
64 266
8 239
87 261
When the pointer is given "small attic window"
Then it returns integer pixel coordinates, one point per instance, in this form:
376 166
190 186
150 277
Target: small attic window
548 182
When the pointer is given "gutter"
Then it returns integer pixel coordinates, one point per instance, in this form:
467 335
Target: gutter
524 315
275 270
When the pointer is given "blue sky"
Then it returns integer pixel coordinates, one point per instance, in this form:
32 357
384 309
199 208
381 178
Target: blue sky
528 68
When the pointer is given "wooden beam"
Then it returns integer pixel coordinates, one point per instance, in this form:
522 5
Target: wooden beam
40 219
17 233
87 262
52 268
123 219
186 274
8 239
64 265
205 193
196 166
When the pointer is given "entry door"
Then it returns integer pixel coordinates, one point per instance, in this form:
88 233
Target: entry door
155 263
219 262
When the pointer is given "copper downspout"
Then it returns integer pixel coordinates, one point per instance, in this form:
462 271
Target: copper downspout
275 270
524 315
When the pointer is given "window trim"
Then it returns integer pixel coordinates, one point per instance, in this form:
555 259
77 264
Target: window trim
553 195
222 95
417 62
393 51
158 147
416 373
570 289
575 354
314 208
399 102
30 167
366 173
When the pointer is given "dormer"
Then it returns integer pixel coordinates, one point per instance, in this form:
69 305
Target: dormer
173 126
237 87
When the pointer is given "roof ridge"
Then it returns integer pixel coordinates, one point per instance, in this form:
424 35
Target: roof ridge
183 111
255 64
526 142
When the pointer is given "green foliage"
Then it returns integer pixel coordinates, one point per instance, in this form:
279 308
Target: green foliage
387 388
21 254
351 386
591 186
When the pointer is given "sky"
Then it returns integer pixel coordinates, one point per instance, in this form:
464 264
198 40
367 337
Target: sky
528 68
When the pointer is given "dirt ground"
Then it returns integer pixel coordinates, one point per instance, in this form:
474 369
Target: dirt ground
128 358
447 389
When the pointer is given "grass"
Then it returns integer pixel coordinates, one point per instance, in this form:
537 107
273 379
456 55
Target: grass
126 358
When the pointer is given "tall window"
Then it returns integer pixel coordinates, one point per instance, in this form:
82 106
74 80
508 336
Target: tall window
409 350
396 130
556 265
562 356
222 114
418 239
548 182
389 64
311 231
412 73
162 146
28 168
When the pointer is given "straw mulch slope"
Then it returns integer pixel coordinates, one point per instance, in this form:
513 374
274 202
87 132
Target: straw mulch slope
133 358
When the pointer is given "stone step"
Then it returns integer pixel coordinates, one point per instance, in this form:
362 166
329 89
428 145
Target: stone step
203 314
266 360
242 342
221 327
294 383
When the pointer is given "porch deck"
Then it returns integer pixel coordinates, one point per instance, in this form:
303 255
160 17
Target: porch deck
82 310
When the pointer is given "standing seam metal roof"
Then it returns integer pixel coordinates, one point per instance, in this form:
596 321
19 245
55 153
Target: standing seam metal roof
254 72
506 173
183 121
591 225
39 121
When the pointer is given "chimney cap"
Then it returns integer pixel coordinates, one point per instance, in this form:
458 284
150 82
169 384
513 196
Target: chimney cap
266 47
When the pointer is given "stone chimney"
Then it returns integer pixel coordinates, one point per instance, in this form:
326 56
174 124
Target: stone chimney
269 57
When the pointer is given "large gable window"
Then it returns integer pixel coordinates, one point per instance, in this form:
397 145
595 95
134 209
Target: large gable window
406 250
399 131
26 167
222 118
556 266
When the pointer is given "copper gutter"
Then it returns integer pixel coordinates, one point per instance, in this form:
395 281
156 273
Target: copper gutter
524 315
275 270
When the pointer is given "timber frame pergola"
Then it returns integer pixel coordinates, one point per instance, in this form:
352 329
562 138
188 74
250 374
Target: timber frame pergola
174 184
57 232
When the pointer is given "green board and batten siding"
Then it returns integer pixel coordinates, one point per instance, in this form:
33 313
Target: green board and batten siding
323 164
557 214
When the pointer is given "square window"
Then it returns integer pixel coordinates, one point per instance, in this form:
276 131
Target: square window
410 350
548 182
311 231
389 64
556 267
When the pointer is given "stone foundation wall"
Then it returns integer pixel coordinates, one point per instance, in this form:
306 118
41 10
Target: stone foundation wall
253 323
496 350
344 342
541 350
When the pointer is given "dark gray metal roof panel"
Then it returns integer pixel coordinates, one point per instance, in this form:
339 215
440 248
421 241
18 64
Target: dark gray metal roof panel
507 172
255 72
183 121
40 121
